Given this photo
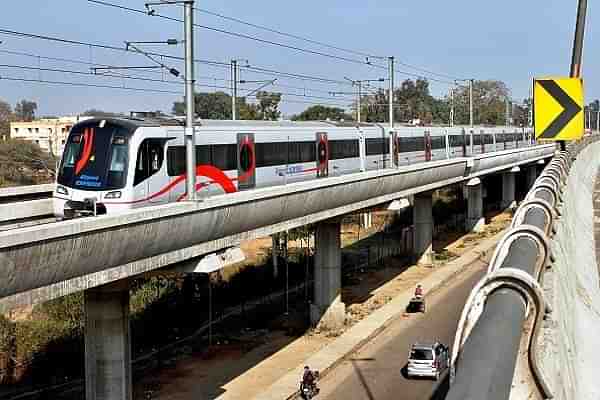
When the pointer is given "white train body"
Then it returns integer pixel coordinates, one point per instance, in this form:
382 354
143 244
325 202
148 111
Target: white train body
114 165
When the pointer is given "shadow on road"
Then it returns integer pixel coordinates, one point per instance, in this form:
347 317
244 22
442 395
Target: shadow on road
361 377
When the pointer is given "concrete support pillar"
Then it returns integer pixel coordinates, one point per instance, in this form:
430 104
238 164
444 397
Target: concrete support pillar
275 254
475 221
367 220
107 343
508 189
531 176
423 232
328 311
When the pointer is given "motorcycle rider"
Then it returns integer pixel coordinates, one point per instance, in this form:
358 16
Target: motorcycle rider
308 378
419 291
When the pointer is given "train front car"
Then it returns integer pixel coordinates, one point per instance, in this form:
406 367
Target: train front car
94 168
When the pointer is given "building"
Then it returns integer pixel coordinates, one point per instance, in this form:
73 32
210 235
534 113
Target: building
49 133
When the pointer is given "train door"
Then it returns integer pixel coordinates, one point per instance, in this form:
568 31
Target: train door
150 177
427 137
482 138
322 144
246 161
395 149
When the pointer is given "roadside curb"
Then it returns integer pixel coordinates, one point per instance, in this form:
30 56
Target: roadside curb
365 330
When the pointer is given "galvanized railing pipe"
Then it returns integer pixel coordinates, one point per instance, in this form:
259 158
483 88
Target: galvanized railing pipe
490 329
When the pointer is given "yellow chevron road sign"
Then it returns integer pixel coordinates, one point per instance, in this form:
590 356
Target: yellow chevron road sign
558 108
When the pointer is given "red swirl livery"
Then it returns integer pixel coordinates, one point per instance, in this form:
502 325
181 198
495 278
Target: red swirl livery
116 164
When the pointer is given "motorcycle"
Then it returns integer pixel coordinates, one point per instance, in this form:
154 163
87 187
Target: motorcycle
307 392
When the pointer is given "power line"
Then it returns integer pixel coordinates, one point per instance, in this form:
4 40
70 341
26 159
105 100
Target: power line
240 35
79 84
74 61
293 36
66 71
168 56
359 53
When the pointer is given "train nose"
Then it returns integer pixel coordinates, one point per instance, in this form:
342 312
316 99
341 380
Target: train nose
84 208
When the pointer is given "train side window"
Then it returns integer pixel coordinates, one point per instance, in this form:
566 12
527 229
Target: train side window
376 146
268 154
175 160
149 159
341 149
223 156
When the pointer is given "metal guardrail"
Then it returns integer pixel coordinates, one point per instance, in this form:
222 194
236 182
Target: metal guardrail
490 329
24 193
22 206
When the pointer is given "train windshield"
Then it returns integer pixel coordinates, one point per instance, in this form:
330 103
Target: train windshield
95 157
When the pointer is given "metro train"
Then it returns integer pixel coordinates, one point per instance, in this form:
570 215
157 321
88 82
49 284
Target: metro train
111 165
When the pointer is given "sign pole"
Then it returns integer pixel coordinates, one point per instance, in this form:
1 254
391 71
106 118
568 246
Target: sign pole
577 48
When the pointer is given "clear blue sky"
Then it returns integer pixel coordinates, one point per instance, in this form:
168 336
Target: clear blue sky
510 40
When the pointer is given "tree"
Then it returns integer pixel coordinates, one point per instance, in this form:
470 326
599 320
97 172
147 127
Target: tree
489 103
217 105
520 113
412 101
6 116
22 163
322 113
268 105
25 110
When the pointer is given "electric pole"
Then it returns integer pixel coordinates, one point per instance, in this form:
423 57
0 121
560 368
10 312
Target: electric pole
234 82
507 112
451 106
190 140
391 92
578 40
358 105
391 100
471 103
577 48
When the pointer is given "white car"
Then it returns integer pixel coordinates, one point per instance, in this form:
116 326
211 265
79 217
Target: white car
428 360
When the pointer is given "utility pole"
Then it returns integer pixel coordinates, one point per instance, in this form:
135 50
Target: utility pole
234 82
391 92
451 106
471 103
578 40
577 48
190 140
391 101
598 121
358 102
507 112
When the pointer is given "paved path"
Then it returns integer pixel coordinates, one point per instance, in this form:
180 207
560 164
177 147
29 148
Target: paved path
374 372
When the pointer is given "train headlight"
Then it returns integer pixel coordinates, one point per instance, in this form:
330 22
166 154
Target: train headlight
62 190
113 195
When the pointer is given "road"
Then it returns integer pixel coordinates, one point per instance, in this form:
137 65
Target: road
375 372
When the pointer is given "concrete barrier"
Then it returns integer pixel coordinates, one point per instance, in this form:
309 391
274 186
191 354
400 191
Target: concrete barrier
570 339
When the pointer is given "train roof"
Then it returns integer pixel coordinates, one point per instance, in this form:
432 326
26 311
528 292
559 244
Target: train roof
177 121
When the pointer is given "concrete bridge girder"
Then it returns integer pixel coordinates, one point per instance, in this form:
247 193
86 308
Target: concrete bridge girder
53 254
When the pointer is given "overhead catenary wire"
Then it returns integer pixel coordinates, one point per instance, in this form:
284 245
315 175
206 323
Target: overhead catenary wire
319 43
136 89
66 71
270 42
214 63
209 78
238 35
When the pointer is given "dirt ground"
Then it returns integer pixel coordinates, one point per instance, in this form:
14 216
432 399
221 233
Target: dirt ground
241 370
